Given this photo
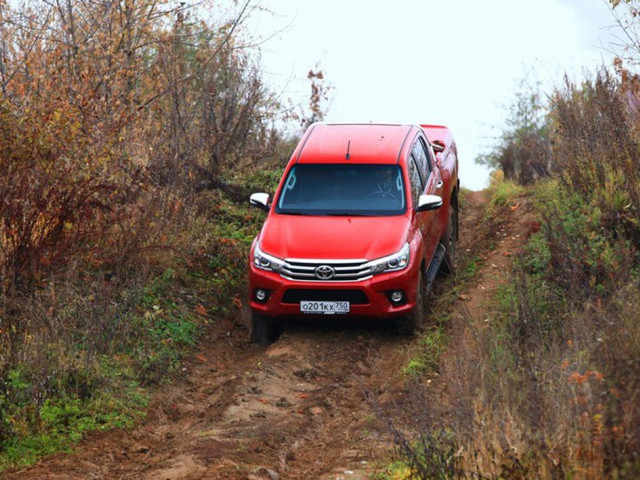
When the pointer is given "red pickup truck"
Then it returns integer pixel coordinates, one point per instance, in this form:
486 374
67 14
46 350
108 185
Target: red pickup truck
363 219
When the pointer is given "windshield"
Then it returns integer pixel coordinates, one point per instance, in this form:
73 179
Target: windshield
339 189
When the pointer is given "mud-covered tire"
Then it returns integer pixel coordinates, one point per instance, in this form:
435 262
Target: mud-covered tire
414 322
449 241
264 330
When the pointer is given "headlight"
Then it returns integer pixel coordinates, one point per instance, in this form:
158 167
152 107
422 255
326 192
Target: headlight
266 262
392 263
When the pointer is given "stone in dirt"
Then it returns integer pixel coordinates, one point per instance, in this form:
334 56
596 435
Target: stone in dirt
283 402
263 473
185 408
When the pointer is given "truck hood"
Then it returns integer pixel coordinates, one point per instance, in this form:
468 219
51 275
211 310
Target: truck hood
326 237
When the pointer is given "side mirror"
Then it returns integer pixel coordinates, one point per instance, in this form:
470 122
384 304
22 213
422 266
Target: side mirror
260 200
438 146
428 202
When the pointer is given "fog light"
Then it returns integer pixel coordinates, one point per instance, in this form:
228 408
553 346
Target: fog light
261 295
397 296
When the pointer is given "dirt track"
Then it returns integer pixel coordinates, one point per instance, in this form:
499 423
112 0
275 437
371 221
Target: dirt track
295 410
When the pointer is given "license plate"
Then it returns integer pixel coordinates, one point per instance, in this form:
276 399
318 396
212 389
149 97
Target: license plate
324 308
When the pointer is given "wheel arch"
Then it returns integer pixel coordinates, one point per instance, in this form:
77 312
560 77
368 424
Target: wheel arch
454 196
423 265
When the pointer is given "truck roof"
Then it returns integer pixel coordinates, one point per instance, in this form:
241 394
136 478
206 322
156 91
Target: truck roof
361 142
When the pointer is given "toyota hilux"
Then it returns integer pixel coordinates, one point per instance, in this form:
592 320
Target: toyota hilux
362 221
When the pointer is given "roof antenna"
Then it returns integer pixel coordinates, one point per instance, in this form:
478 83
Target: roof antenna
348 148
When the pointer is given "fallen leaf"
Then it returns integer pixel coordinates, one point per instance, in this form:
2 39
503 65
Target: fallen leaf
515 207
202 310
237 302
462 296
597 375
303 395
578 379
202 358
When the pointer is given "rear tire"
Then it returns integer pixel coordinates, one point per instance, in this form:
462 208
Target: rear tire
449 241
414 322
264 330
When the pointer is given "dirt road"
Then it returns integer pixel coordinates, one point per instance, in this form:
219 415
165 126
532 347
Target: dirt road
299 409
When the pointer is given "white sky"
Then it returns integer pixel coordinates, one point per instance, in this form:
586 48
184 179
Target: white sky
430 61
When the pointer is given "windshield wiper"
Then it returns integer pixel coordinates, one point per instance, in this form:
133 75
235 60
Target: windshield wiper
348 214
326 214
292 212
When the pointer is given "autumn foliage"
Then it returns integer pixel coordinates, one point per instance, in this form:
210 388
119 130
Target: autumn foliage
104 105
113 115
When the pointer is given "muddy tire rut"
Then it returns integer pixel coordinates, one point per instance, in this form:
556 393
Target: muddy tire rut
302 408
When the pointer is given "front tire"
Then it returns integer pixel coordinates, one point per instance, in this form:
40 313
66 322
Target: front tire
264 330
414 322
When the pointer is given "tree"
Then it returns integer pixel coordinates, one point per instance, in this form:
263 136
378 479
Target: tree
523 149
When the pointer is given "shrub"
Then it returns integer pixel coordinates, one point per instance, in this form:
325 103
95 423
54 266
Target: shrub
546 387
596 151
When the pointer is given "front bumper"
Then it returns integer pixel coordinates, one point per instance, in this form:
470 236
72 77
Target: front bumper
368 298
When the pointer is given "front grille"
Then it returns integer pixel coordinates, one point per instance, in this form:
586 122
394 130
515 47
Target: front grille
345 270
354 297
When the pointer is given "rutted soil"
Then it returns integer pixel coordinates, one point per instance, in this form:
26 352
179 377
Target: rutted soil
299 409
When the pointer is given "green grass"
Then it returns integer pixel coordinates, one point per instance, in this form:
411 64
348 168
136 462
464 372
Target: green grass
61 421
502 192
431 346
164 327
417 365
433 456
397 470
470 269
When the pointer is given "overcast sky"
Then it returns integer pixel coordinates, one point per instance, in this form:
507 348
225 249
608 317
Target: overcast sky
430 61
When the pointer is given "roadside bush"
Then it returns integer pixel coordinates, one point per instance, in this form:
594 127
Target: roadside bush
202 134
432 456
553 380
546 385
55 200
584 255
114 117
596 151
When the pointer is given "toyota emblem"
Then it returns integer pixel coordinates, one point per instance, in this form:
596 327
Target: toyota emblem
324 272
